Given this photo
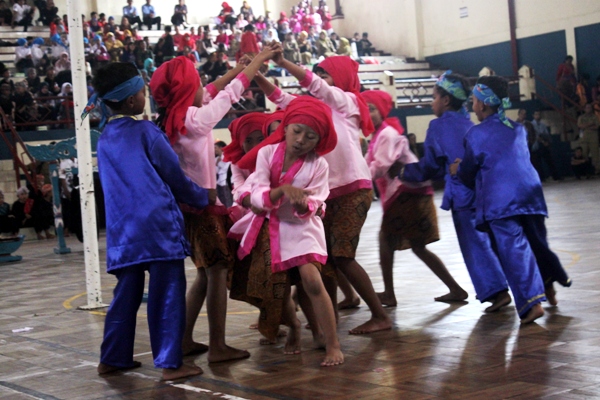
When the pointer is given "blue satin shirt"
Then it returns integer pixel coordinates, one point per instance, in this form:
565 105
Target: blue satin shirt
496 163
443 145
143 184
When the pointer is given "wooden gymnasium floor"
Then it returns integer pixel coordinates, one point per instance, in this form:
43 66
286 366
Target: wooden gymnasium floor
435 350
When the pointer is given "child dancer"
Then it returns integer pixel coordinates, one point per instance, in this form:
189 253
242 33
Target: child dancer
336 84
188 117
409 217
443 145
509 198
288 238
142 183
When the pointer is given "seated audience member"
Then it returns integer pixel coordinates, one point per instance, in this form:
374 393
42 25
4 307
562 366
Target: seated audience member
33 81
22 15
66 106
543 149
168 47
50 79
6 78
581 165
94 22
222 38
142 53
114 46
158 52
150 17
9 225
246 10
129 53
180 14
23 58
130 12
344 48
324 46
63 63
46 108
25 109
21 209
365 45
6 14
305 48
226 15
48 12
291 51
241 22
6 102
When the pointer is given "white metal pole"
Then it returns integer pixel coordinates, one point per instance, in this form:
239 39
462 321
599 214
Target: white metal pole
84 156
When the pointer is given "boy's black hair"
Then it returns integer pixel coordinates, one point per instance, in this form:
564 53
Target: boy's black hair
455 104
221 144
568 58
365 34
168 28
249 28
109 77
497 84
101 15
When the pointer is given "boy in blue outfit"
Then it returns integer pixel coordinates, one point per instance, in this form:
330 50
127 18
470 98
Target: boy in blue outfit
509 199
444 144
142 184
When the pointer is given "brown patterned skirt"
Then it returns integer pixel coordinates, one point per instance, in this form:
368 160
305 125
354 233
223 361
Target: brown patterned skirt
254 282
411 220
207 234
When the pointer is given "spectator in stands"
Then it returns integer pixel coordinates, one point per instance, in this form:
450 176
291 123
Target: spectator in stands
581 164
168 48
6 14
543 149
324 46
246 10
365 45
150 17
291 51
23 58
46 108
57 26
6 102
344 48
335 41
222 38
249 44
180 14
6 79
65 109
234 44
588 123
326 17
317 22
114 46
158 52
33 81
240 22
226 15
129 53
208 66
25 109
48 12
149 67
94 23
9 226
356 42
65 19
130 12
22 15
305 48
270 35
521 115
142 53
50 79
63 63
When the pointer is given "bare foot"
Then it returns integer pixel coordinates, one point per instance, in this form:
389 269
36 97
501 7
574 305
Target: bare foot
107 369
226 354
333 357
194 349
551 295
536 312
387 301
171 374
372 325
292 345
348 304
453 296
501 300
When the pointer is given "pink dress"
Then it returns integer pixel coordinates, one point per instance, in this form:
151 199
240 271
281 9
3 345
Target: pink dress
294 239
387 147
196 149
348 171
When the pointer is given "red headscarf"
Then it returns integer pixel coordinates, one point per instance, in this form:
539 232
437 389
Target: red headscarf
174 85
384 103
344 72
303 110
240 128
270 118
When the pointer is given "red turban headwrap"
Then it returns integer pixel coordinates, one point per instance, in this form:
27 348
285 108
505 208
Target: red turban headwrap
384 103
344 72
240 128
303 110
174 85
270 118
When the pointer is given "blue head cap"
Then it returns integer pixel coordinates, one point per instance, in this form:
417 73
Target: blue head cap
86 40
39 41
21 42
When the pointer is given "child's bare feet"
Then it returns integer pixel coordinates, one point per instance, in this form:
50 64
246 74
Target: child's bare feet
171 374
226 353
551 295
333 356
193 348
372 325
387 301
292 345
536 312
107 369
347 304
457 295
501 300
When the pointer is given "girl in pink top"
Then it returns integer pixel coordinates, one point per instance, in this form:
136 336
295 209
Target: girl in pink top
349 177
289 187
189 114
409 203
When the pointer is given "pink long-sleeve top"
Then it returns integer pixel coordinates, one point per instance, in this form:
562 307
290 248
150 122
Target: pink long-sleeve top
387 147
295 239
348 170
196 150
